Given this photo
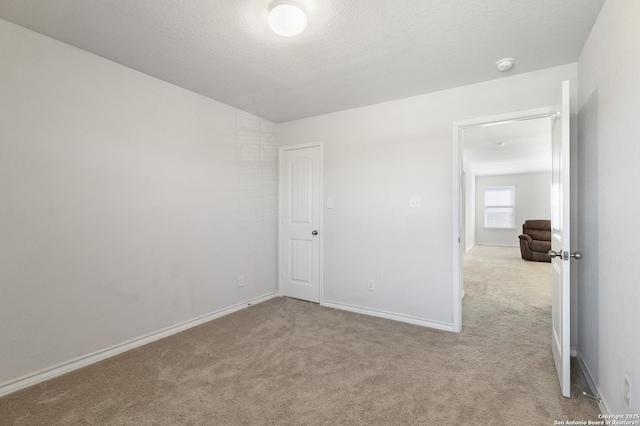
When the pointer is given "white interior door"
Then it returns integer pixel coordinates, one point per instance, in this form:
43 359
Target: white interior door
300 171
560 247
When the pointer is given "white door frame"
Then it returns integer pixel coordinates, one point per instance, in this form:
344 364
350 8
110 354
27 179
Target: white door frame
458 238
281 151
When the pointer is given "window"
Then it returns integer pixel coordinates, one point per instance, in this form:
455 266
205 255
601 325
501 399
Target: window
500 207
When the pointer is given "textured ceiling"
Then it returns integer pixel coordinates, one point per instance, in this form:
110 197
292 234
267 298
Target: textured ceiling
353 52
526 149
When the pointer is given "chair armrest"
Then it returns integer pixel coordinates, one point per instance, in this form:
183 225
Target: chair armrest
525 246
525 237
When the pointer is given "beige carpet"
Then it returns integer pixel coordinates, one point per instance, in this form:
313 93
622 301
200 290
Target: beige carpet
287 362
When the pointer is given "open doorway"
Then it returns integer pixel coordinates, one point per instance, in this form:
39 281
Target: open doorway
506 183
502 178
557 317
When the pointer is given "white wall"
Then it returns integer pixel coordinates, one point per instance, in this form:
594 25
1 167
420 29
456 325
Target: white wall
376 157
609 205
469 208
128 204
533 201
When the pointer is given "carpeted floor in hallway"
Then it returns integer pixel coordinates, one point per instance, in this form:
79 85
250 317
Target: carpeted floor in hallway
288 362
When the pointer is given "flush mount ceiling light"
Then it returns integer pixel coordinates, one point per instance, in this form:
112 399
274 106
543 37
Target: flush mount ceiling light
505 64
287 18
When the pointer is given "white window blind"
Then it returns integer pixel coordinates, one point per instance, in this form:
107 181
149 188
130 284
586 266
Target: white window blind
500 207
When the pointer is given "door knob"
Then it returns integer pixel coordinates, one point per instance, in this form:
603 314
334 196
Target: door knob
565 256
314 232
553 254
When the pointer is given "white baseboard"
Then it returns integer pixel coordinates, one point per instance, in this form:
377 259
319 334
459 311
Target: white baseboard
592 385
573 351
74 364
389 315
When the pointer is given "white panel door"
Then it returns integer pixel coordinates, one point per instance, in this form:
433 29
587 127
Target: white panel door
560 237
300 223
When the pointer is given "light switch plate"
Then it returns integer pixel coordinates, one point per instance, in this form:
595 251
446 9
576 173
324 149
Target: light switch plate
415 202
329 203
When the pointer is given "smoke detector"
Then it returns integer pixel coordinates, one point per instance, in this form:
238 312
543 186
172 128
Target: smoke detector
505 64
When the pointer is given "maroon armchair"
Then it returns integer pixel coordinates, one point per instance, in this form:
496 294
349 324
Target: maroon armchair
535 241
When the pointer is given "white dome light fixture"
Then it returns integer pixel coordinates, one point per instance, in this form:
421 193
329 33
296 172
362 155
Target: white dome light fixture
505 64
287 18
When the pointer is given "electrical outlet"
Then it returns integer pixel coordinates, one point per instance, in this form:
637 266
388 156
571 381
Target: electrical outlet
627 391
371 286
241 281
